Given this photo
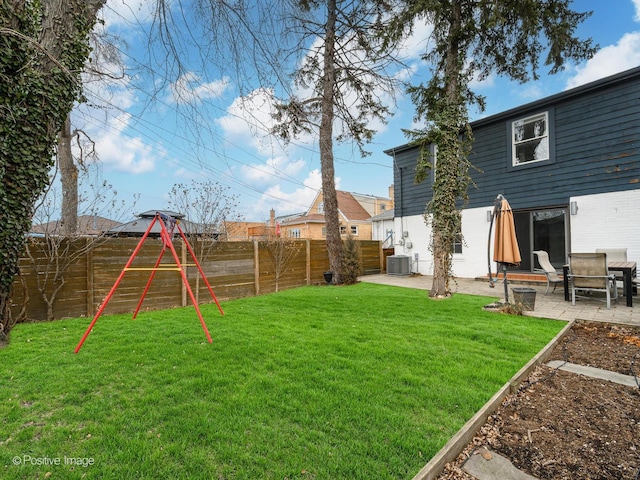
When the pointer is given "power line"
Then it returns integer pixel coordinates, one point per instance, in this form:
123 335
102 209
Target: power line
153 133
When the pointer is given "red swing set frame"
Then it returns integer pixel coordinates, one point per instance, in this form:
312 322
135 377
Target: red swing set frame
166 222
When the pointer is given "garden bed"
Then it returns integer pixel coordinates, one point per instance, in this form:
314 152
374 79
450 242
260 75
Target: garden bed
561 425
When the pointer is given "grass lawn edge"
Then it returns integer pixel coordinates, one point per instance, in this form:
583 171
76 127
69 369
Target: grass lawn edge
462 438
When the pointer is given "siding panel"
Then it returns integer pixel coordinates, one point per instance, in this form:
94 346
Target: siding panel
597 150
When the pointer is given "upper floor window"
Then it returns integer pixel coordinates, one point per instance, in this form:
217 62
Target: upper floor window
343 230
530 139
354 230
383 207
294 233
321 207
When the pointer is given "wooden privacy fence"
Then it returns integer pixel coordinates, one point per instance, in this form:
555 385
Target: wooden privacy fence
234 270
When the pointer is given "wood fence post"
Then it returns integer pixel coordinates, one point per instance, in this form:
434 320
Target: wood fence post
256 266
183 259
90 286
308 247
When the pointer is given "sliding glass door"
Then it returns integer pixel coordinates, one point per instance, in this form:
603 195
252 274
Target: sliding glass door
542 230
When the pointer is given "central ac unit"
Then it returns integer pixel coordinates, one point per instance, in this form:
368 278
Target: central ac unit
398 265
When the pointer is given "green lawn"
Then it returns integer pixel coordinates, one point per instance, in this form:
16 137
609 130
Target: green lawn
359 382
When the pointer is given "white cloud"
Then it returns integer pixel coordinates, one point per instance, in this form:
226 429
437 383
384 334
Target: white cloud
416 44
636 4
272 169
127 12
100 90
247 114
104 119
611 59
295 202
188 89
115 150
478 84
531 91
249 120
188 174
105 124
136 157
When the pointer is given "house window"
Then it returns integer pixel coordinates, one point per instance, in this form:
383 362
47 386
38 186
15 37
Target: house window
530 139
324 231
343 230
321 207
354 230
383 207
457 244
294 233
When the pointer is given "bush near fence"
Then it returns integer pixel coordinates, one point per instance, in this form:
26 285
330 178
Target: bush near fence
233 269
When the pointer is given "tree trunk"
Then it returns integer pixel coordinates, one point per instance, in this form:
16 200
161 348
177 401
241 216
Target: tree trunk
69 180
440 281
442 240
334 241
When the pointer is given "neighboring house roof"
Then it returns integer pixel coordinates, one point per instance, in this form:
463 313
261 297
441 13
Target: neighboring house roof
87 225
386 215
312 218
152 213
285 218
348 208
373 204
141 224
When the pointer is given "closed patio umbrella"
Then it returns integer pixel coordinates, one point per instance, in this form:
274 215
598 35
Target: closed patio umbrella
505 243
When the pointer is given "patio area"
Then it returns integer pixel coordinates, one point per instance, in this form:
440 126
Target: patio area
552 305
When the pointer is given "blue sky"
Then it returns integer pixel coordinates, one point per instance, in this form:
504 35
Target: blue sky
206 133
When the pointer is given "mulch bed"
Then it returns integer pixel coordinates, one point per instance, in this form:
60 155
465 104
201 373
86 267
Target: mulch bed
560 425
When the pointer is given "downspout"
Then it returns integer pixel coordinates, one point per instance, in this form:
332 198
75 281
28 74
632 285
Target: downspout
400 197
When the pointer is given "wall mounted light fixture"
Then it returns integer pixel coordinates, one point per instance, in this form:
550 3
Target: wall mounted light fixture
573 208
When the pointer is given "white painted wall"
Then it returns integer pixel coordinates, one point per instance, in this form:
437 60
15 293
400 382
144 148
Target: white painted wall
607 220
470 264
475 230
379 230
412 238
610 220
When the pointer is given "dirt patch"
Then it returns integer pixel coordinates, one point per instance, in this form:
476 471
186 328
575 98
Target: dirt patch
560 425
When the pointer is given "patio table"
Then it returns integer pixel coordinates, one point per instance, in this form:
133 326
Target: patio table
628 270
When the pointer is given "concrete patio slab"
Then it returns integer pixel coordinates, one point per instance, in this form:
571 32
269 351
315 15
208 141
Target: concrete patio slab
593 372
488 465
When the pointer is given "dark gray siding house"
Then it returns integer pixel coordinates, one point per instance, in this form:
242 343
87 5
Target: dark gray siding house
569 164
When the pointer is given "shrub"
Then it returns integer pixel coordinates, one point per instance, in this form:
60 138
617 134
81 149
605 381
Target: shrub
351 265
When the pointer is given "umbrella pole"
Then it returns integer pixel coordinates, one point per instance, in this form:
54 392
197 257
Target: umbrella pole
506 290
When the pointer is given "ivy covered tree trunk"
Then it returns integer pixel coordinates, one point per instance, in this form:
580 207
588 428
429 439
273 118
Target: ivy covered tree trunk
449 188
43 47
449 120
